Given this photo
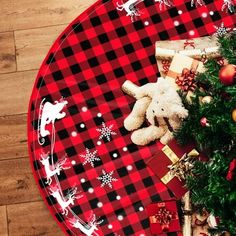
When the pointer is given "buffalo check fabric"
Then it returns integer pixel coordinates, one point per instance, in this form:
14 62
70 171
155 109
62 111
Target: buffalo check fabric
86 67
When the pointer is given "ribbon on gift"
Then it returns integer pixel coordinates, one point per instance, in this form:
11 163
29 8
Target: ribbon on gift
163 216
175 159
190 43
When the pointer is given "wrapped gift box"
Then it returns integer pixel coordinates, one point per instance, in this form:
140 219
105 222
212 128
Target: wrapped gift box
163 163
163 217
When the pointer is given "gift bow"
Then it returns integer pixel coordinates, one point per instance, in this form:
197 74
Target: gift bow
232 170
163 217
186 81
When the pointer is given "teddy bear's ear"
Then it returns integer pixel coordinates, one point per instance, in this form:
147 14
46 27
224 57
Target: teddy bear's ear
180 111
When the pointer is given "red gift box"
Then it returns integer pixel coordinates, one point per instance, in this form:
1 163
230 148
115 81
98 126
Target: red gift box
163 217
162 162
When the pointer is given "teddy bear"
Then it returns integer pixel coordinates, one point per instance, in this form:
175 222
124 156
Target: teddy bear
160 104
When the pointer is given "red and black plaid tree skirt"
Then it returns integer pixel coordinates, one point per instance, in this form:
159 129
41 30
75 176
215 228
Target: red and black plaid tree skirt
86 66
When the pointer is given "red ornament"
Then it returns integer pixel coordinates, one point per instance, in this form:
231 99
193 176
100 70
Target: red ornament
227 74
204 122
232 170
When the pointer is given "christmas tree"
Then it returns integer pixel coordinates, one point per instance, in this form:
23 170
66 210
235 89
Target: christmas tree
211 125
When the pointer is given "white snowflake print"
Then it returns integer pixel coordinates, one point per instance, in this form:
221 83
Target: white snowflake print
221 30
167 3
106 178
90 157
228 6
106 131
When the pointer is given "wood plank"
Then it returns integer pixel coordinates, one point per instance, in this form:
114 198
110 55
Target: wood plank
13 137
32 45
7 53
18 185
25 14
15 90
3 221
30 219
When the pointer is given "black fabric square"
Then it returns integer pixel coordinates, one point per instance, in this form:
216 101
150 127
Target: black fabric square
132 147
130 189
73 110
42 183
128 230
152 59
156 18
145 223
91 103
83 85
98 120
78 168
70 151
216 16
86 185
62 134
81 128
156 198
148 3
113 14
62 176
93 62
112 196
67 51
140 165
137 206
173 12
109 96
148 182
46 142
189 6
116 113
101 79
50 59
65 92
122 171
36 165
40 82
198 22
77 210
163 35
146 42
54 159
138 25
119 72
121 31
77 28
103 38
94 203
89 144
75 69
59 217
111 55
95 21
120 212
85 45
57 75
181 29
129 48
123 131
51 200
136 65
143 81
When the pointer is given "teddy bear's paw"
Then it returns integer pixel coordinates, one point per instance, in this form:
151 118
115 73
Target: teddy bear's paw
132 122
167 138
146 135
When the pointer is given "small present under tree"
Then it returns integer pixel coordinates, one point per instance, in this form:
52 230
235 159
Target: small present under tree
212 126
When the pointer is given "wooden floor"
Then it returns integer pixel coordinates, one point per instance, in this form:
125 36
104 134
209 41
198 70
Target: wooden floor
27 30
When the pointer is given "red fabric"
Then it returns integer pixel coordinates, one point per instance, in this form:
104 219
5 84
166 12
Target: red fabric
87 65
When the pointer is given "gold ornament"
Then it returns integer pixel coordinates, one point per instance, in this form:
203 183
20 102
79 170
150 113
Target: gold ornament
206 99
234 115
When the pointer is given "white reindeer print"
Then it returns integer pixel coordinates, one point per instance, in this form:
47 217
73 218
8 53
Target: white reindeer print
66 201
130 7
228 5
48 113
52 170
197 2
86 228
